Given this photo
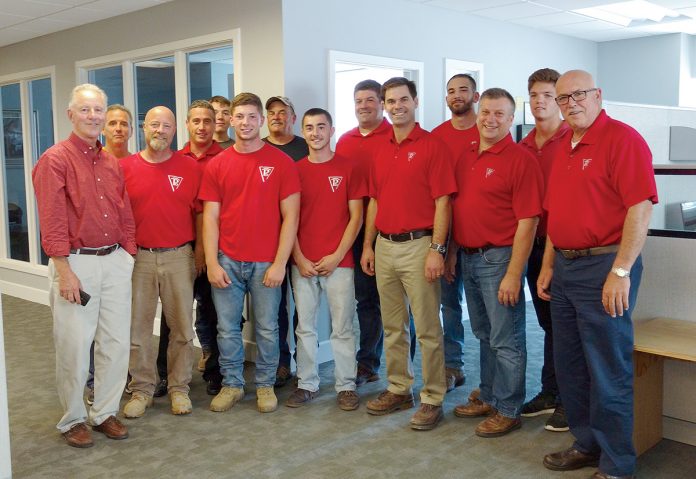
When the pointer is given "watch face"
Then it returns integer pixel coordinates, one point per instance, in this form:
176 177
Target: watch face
620 272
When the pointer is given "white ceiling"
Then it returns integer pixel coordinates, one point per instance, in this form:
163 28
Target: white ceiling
557 16
24 19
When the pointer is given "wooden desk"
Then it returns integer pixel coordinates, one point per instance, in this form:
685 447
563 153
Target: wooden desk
654 341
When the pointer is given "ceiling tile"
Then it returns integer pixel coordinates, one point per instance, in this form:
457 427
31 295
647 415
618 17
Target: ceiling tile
44 26
472 5
30 8
111 8
517 10
542 21
573 4
7 20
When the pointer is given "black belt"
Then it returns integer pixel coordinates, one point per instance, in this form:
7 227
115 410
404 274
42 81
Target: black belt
579 253
162 250
411 235
480 250
96 251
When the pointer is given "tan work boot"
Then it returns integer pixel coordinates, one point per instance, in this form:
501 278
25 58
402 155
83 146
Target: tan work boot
475 407
136 406
388 402
427 417
181 404
226 398
266 400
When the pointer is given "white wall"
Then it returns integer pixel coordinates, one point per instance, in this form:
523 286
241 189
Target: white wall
394 28
641 70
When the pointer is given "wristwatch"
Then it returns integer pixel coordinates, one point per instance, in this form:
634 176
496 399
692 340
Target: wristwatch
438 247
620 272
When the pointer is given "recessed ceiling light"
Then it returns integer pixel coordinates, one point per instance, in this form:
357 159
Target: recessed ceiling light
628 13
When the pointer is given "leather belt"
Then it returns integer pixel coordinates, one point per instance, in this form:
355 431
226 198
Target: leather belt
480 250
162 250
579 253
96 251
402 237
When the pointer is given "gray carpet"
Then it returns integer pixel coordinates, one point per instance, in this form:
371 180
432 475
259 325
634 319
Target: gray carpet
317 441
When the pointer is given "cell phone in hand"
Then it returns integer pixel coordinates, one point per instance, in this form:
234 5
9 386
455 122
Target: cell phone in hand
84 298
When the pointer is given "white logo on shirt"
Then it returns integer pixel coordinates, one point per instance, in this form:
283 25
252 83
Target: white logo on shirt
411 155
335 182
586 162
265 172
175 182
489 172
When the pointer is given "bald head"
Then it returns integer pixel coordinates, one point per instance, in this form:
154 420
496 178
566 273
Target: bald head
579 99
159 128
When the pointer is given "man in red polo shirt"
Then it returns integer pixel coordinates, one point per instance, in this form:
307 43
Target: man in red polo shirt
87 230
360 144
544 142
494 219
458 133
410 186
163 187
330 217
252 203
599 199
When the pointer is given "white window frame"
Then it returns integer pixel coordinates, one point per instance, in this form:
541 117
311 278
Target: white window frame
178 49
376 61
453 67
33 266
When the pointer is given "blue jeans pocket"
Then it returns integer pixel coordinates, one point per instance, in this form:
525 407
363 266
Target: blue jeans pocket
500 255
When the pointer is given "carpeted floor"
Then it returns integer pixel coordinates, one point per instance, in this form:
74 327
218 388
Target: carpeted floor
317 441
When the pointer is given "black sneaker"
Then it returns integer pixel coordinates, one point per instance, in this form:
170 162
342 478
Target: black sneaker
213 387
557 422
542 403
365 376
161 389
283 375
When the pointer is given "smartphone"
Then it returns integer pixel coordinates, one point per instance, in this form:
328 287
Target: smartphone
84 298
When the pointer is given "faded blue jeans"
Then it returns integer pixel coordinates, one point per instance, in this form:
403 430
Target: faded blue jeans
500 329
246 277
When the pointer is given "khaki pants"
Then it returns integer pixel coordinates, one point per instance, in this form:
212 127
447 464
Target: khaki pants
400 270
168 275
106 321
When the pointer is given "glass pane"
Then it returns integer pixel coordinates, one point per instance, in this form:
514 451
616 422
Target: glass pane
211 73
154 86
109 79
13 152
41 106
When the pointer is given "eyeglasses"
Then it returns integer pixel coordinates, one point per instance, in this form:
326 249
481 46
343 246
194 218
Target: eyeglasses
578 95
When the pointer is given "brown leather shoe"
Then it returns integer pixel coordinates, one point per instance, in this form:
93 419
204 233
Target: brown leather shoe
475 407
602 475
388 402
300 397
497 425
112 428
365 376
348 400
78 436
455 378
570 459
427 417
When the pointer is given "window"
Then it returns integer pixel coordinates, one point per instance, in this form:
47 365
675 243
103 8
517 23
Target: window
172 75
26 126
347 69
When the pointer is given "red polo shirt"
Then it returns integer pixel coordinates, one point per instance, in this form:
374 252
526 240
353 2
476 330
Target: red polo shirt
406 178
205 158
249 188
362 148
163 197
326 190
457 141
545 155
593 185
497 188
82 199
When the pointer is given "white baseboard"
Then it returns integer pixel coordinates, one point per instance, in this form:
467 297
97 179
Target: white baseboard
679 430
26 293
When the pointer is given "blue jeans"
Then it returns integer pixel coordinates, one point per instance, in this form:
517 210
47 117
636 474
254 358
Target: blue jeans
369 315
246 277
594 360
452 326
543 314
500 329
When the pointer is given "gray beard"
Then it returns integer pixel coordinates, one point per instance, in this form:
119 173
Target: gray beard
158 144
